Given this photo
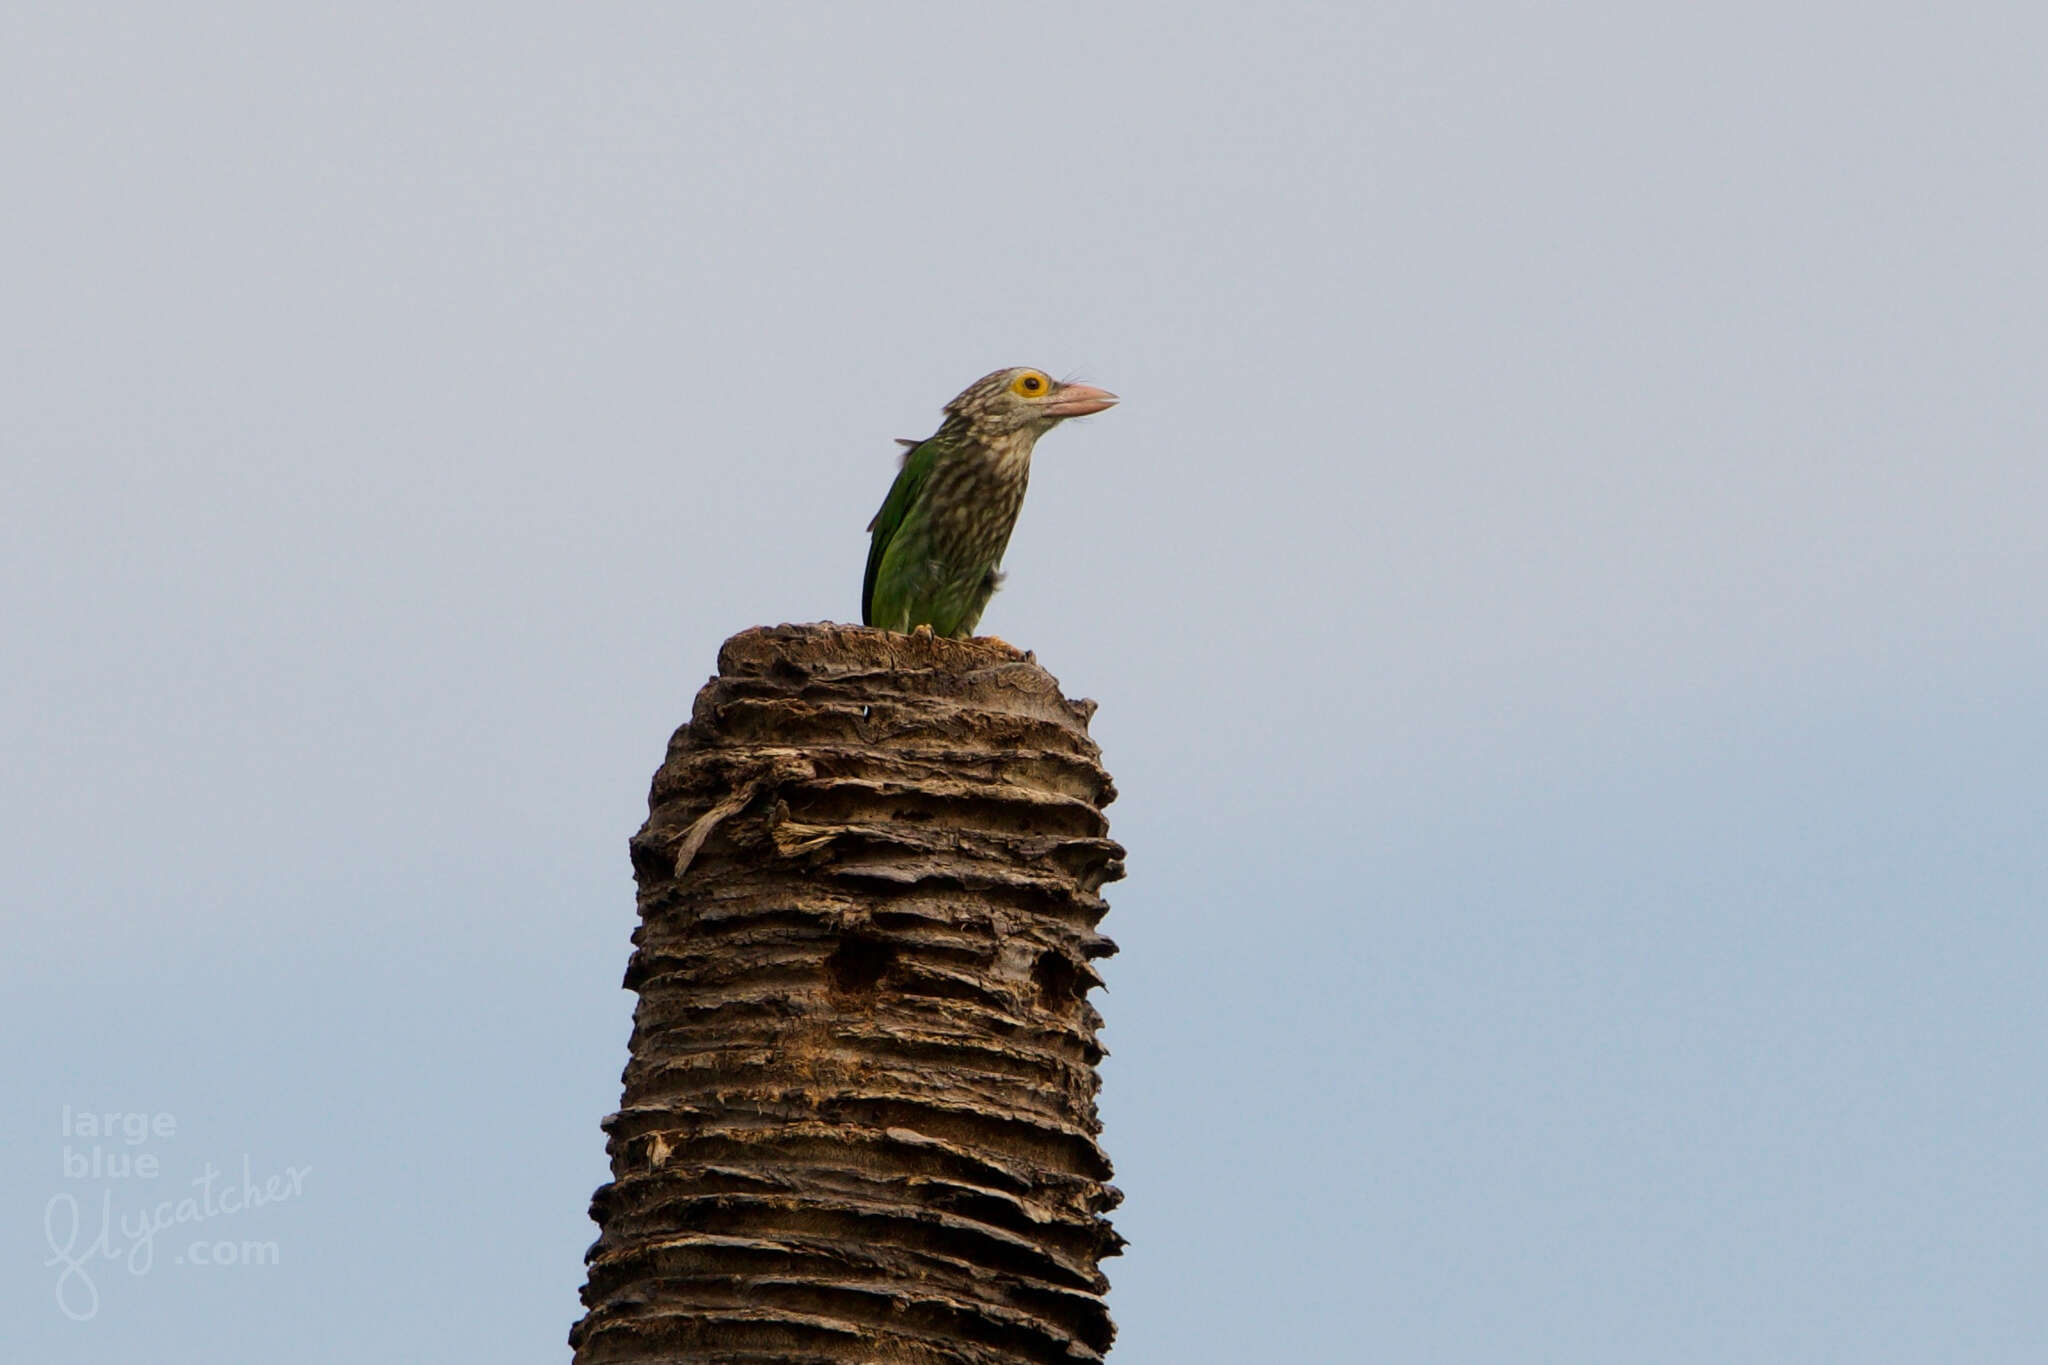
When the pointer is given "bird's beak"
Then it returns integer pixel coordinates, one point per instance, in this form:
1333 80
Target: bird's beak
1078 400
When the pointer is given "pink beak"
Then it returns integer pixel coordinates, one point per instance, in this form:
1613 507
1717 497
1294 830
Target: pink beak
1078 400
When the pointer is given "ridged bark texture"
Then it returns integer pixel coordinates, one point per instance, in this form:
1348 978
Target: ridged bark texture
859 1115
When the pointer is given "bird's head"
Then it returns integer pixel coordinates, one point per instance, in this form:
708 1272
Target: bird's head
1021 399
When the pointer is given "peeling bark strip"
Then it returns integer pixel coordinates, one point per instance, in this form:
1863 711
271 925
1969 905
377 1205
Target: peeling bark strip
859 1115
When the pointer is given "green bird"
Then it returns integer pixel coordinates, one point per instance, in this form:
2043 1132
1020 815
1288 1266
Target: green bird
936 547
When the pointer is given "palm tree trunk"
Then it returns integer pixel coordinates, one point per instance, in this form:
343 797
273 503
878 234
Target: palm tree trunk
859 1114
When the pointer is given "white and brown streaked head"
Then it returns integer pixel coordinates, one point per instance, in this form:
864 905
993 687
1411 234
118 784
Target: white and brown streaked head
1023 399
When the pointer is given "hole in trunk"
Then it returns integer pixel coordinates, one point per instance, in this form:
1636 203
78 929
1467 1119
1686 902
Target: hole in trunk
858 963
1059 981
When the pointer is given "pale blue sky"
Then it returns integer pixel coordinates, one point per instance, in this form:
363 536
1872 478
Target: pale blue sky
1565 588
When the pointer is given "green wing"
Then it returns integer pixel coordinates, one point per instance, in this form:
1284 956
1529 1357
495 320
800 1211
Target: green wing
903 495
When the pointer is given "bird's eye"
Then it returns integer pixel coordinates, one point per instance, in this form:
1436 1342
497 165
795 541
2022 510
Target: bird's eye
1030 384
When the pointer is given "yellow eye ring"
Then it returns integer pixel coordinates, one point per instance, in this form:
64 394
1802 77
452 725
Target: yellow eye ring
1030 384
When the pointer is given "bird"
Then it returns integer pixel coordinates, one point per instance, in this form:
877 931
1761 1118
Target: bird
935 548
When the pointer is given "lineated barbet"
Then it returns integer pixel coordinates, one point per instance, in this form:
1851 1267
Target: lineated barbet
937 545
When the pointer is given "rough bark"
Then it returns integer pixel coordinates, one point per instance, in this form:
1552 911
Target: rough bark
859 1114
